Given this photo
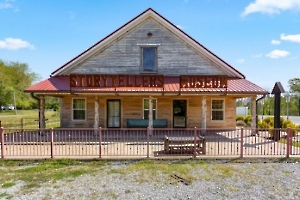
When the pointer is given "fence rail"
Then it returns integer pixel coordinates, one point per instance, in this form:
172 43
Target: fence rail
149 143
28 123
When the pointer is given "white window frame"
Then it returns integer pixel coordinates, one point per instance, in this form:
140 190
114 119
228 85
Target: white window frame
223 110
142 47
85 111
153 99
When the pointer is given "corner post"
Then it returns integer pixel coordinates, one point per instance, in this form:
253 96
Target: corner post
51 143
195 138
2 142
100 142
148 133
289 142
242 143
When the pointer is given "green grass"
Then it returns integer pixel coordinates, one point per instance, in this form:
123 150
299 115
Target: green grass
5 195
8 185
294 143
28 119
35 173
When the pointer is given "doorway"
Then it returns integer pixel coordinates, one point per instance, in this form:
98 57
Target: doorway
179 113
113 113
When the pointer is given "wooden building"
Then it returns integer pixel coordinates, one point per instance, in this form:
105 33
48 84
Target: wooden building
149 59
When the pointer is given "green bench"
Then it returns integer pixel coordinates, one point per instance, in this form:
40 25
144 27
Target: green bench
143 123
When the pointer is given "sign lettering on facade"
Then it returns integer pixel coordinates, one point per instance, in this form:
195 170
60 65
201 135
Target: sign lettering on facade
186 81
199 81
95 80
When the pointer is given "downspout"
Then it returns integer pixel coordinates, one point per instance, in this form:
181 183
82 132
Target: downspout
38 99
257 110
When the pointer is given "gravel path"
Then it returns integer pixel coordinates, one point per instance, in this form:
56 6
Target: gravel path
217 180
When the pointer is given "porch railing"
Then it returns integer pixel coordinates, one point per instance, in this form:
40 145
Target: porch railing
149 143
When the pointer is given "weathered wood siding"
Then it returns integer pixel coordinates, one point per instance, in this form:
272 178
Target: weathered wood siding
175 57
133 108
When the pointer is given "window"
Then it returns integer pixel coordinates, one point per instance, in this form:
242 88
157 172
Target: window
79 109
146 109
149 59
217 110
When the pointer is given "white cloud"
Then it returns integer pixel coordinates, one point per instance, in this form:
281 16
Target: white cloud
241 60
256 56
15 44
275 42
7 4
179 26
271 6
291 38
277 54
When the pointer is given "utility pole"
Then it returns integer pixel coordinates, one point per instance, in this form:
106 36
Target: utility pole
15 103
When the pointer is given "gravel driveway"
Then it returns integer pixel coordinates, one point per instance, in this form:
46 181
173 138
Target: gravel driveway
215 179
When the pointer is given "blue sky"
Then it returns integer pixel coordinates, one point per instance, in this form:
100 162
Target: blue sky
260 38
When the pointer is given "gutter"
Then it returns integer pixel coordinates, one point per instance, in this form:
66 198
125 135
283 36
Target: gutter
256 117
38 99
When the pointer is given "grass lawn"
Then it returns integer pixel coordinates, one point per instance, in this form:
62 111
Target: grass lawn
34 174
294 143
28 118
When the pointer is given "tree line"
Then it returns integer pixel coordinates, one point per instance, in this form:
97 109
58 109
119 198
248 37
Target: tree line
289 102
15 77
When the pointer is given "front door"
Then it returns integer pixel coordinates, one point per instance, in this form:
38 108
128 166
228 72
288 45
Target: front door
179 113
113 113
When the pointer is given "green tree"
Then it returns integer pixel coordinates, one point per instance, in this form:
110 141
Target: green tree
15 77
294 85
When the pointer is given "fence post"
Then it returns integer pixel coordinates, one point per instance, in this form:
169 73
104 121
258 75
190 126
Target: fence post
148 132
22 124
289 142
2 142
100 141
242 143
51 143
195 138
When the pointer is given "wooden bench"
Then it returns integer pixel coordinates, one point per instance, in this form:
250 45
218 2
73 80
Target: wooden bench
184 145
144 123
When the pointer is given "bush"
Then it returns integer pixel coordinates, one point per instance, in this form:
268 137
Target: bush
269 121
246 119
239 118
240 123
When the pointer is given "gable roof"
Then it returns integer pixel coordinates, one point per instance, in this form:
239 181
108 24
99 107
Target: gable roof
137 20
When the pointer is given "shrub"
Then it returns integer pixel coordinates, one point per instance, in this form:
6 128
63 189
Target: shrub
248 120
239 118
240 123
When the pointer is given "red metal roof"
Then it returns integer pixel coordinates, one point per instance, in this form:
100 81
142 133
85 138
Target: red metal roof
61 84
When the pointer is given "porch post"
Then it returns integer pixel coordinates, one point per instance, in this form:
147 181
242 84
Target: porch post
253 112
42 112
204 109
96 122
150 125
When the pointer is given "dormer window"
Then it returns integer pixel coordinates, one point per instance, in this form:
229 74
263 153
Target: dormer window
149 59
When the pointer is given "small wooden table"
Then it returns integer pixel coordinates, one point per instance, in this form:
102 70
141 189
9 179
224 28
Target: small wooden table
184 145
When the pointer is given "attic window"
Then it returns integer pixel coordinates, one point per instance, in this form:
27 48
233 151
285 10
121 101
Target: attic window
149 59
